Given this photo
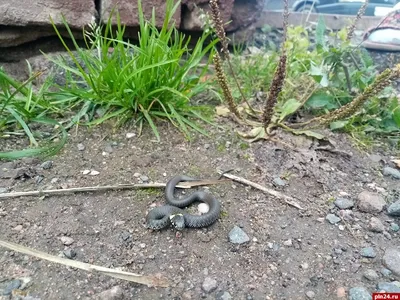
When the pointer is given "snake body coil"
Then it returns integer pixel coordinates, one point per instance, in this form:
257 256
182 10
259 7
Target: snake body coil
161 217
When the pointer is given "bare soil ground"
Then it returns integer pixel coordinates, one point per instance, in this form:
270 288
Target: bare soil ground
292 254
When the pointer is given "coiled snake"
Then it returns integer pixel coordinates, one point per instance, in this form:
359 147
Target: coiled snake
161 217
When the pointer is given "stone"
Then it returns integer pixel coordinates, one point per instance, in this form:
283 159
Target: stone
333 219
209 285
394 173
394 209
341 292
389 287
310 295
394 227
391 260
10 286
224 296
47 165
371 274
66 240
115 293
375 225
81 147
203 208
344 203
359 293
3 190
368 252
279 182
386 272
370 202
238 236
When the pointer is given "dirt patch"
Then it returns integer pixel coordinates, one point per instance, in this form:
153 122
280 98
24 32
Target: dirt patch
291 254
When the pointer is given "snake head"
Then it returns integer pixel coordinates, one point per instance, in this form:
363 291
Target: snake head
178 221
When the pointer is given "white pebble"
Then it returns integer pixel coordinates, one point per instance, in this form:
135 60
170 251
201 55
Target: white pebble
94 173
85 172
203 208
130 135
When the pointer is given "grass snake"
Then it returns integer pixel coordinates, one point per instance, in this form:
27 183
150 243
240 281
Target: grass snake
161 217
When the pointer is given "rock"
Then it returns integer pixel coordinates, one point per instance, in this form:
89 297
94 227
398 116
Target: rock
115 293
388 171
341 292
109 149
391 260
278 181
66 240
94 173
386 272
371 275
389 287
18 227
3 190
224 296
344 203
333 219
8 173
203 208
394 209
375 225
288 243
375 158
238 236
69 253
81 147
359 293
368 252
144 178
310 295
209 285
10 286
370 202
130 135
47 165
394 227
36 14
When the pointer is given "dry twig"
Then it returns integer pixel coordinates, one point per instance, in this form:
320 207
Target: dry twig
146 280
182 185
288 200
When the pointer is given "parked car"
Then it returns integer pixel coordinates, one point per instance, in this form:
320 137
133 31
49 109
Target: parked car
344 7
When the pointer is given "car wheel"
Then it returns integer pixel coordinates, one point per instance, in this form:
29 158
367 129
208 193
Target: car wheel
306 7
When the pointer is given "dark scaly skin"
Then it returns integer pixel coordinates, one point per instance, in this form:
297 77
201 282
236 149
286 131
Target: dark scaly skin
161 217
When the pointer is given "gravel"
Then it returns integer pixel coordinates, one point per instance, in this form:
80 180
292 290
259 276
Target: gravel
371 275
359 293
368 252
333 219
390 287
209 285
344 203
394 209
375 225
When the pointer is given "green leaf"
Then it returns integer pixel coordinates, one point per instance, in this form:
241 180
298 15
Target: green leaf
320 32
309 133
396 116
321 100
338 125
288 108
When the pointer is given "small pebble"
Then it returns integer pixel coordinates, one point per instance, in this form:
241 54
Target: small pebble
394 227
310 295
391 260
66 240
85 172
341 292
94 173
344 203
333 219
203 208
144 178
371 274
386 272
115 293
80 147
130 135
388 171
3 190
137 175
288 243
368 252
389 287
46 165
375 225
370 202
224 296
209 285
69 253
279 182
394 209
359 293
12 285
18 227
238 236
